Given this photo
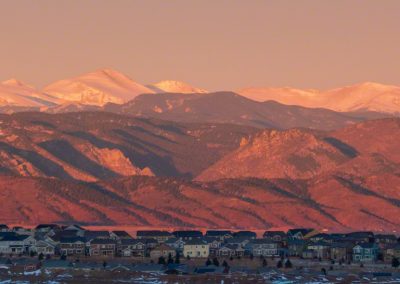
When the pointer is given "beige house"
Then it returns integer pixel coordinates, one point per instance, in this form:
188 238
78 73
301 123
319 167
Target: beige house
196 248
162 250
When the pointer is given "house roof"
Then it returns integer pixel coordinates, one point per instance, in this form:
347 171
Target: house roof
72 240
153 233
3 226
274 233
47 226
241 234
100 241
237 240
187 234
366 245
128 242
365 234
196 241
218 233
15 238
303 231
122 234
90 235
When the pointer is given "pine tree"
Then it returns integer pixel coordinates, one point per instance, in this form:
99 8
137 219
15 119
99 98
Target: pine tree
208 262
177 258
215 261
161 260
170 260
395 262
288 264
279 264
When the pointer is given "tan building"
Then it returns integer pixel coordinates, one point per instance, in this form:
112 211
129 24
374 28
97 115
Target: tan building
162 250
196 248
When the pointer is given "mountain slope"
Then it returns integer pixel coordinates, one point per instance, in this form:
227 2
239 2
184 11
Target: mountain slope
366 96
97 145
228 107
175 203
97 88
304 154
14 93
171 86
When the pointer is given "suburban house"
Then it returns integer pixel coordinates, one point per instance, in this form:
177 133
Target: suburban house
73 246
45 247
162 250
214 243
103 247
320 249
4 228
222 235
296 247
16 244
175 243
263 247
188 235
132 247
384 240
365 252
391 251
341 251
159 236
229 250
196 248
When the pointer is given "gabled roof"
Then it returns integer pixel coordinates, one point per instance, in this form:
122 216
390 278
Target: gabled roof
122 234
14 238
363 235
196 241
218 233
245 234
302 231
90 235
3 226
153 233
72 240
188 234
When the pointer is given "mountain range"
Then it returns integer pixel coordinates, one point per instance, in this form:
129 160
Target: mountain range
103 149
109 86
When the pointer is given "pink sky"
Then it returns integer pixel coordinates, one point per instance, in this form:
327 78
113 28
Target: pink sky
211 44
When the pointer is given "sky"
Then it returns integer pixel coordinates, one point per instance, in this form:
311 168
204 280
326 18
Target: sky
212 44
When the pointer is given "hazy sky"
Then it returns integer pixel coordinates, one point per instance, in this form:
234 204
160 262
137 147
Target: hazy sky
211 44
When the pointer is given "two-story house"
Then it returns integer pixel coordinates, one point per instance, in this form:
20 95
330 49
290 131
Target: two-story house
103 247
196 248
365 252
